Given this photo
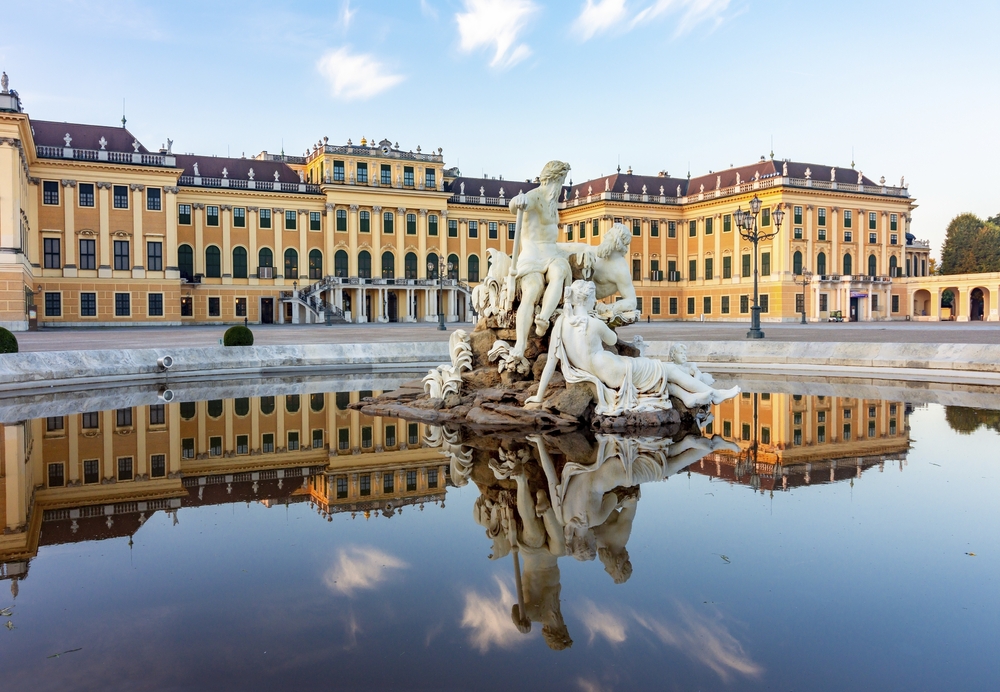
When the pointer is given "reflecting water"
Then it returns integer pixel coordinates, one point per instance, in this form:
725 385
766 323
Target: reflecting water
281 539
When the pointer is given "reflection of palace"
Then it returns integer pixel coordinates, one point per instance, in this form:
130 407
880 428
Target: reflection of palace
102 474
789 440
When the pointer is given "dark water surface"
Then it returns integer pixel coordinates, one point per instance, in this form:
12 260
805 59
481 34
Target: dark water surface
864 556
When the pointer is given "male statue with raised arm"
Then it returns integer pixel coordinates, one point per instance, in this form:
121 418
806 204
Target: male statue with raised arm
539 271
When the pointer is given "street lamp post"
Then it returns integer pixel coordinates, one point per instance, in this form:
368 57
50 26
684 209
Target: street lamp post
441 268
804 282
746 221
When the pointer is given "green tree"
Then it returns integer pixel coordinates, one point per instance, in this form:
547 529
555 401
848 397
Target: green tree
971 246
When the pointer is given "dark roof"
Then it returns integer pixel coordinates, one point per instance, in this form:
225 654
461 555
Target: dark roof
768 168
490 186
52 134
616 182
211 167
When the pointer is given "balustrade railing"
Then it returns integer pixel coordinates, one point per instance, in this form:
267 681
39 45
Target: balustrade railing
49 152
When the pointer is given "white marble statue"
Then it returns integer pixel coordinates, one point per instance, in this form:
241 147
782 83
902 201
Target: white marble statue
447 379
621 383
678 354
539 271
608 267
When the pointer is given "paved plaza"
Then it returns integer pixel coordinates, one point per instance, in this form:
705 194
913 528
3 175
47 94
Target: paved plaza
151 337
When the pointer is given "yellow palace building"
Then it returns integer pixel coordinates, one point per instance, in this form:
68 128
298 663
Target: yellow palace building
96 229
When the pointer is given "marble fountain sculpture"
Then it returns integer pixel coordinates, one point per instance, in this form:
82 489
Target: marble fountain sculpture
545 352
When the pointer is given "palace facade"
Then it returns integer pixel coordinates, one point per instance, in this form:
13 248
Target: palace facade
96 229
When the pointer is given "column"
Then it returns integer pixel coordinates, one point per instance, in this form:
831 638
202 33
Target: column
836 263
174 447
138 239
103 205
201 444
15 470
277 227
935 313
198 210
253 250
353 229
963 303
141 458
69 229
73 435
227 243
255 424
329 226
170 194
303 224
108 438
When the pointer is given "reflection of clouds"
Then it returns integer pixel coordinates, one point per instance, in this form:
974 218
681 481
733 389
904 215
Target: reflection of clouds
360 568
603 623
489 619
705 640
353 628
590 685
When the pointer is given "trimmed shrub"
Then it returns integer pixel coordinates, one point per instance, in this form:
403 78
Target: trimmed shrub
8 342
238 336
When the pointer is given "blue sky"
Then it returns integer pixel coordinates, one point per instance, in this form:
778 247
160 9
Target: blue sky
907 88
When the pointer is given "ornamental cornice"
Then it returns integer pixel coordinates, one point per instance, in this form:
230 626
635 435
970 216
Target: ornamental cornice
303 211
34 181
103 185
121 234
171 189
330 206
376 208
68 183
136 186
422 212
401 210
198 205
253 209
354 207
278 211
226 207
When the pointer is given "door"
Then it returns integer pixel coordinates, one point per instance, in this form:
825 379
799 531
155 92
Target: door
368 308
854 309
392 308
267 310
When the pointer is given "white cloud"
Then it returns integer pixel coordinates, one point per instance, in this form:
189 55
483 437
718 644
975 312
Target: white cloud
495 24
347 14
489 619
598 16
355 76
603 623
359 569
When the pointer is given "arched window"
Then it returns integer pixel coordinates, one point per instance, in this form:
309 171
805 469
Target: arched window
432 266
343 400
473 268
213 262
292 403
340 264
410 262
453 266
872 265
215 408
365 264
241 406
317 402
291 264
239 263
848 265
185 261
388 265
388 222
797 263
821 264
265 258
893 266
315 264
267 405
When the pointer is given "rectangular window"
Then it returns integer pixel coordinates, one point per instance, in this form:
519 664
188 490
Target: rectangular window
893 239
242 444
241 307
411 224
432 225
153 199
122 262
407 176
338 171
56 475
214 309
187 448
797 216
239 217
875 301
124 468
707 305
727 223
692 269
656 305
569 231
215 446
341 220
847 218
264 216
432 478
493 233
690 305
872 221
821 217
120 194
362 173
636 227
267 443
595 228
708 225
411 480
746 266
366 437
638 304
388 222
848 236
86 192
91 471
290 219
797 234
317 439
155 304
184 214
341 487
430 179
821 234
744 304
823 302
745 432
671 229
388 482
765 436
895 303
764 302
50 192
692 229
293 440
847 432
365 484
765 264
873 238
158 466
53 304
893 222
52 253
123 307
385 175
88 305
314 221
727 267
343 439
765 216
154 256
709 268
157 414
725 305
413 433
473 229
123 418
727 428
452 228
90 420
654 229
